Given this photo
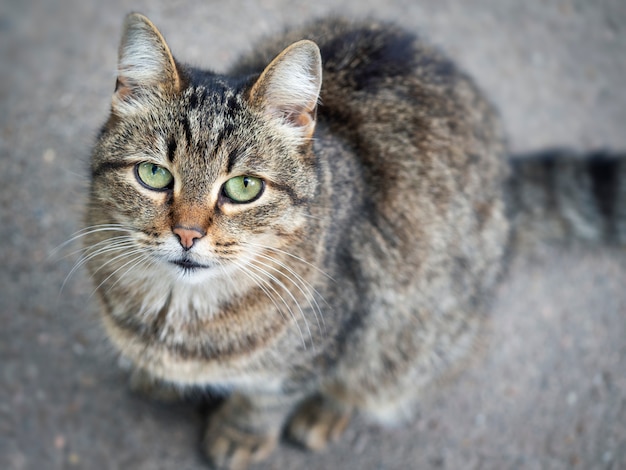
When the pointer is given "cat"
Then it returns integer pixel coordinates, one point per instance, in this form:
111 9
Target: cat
317 232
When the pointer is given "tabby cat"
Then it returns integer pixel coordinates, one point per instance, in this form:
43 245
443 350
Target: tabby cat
315 233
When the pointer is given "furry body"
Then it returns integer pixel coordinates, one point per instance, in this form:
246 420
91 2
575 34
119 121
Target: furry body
360 273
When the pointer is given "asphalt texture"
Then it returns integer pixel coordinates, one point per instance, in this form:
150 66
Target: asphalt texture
550 392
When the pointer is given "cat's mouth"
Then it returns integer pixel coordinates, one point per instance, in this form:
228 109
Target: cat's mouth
189 265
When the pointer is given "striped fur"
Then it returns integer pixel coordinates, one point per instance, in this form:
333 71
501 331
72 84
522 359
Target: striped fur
360 274
560 194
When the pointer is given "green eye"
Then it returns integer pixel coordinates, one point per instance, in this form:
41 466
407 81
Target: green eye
243 188
153 176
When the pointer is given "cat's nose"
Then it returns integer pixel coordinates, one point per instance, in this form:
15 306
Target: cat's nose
187 236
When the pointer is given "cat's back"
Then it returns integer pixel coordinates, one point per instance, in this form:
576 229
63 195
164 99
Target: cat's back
372 68
426 146
395 99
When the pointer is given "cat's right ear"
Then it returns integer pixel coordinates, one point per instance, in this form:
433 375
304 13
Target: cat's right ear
145 68
289 87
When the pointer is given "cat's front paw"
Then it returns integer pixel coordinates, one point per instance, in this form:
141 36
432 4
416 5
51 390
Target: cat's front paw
243 430
317 422
232 447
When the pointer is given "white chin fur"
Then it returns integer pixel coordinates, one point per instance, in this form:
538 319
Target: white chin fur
198 275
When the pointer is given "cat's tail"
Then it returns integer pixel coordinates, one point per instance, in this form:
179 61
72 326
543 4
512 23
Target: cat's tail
561 194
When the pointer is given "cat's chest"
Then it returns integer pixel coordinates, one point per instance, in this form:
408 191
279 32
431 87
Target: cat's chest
174 306
185 333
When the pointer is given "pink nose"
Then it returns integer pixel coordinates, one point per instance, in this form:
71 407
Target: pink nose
187 236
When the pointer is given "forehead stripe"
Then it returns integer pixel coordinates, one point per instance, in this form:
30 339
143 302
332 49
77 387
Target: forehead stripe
171 149
187 129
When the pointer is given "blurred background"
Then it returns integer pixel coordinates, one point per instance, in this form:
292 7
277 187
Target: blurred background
550 392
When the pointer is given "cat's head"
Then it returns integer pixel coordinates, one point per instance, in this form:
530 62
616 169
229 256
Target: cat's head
199 171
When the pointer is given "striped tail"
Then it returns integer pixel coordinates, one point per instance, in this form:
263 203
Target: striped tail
560 194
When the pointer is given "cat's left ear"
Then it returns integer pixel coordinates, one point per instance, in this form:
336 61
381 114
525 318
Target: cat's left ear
289 87
146 66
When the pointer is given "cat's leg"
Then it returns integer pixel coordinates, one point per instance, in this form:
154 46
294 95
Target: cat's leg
245 429
318 421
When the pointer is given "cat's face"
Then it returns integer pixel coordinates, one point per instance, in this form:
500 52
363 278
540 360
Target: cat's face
203 175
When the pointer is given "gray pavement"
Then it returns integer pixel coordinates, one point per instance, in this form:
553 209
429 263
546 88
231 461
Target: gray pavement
551 390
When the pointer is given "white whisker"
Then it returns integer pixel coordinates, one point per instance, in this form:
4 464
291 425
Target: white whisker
115 258
258 282
143 258
312 297
89 231
117 246
302 260
300 284
102 242
264 285
136 260
309 216
281 284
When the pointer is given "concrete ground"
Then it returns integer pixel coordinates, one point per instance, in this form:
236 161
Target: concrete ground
551 391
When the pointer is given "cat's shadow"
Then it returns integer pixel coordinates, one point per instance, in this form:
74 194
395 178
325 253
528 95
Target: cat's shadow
188 413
